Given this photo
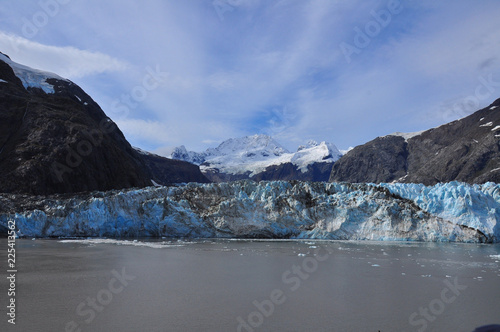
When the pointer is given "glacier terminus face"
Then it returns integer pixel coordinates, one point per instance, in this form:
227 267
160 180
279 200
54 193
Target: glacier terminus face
278 209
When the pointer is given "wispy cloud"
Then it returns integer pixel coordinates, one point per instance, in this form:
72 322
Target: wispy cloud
68 61
268 67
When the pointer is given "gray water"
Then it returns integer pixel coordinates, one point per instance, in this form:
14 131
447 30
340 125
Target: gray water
223 285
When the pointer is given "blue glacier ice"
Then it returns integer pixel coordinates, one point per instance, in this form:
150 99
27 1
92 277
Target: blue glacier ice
277 209
476 206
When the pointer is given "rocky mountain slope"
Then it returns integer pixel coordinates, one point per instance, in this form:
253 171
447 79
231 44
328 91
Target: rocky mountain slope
466 150
280 209
55 139
260 157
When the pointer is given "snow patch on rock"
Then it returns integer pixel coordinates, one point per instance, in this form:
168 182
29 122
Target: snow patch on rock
407 136
32 78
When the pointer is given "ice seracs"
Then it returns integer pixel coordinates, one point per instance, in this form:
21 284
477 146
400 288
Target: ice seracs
277 209
476 206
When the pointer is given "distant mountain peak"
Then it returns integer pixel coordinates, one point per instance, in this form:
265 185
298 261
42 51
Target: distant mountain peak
259 145
181 153
254 154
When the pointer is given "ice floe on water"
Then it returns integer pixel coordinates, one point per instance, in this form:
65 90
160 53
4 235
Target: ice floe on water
135 243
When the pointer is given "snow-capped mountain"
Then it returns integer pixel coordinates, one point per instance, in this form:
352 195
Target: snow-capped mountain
181 153
236 151
256 157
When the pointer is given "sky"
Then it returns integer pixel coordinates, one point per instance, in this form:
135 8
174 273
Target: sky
197 72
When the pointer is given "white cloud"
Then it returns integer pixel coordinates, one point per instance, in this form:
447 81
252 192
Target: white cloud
146 131
68 62
268 67
161 136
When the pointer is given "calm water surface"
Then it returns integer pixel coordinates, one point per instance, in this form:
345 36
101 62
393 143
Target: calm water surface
223 285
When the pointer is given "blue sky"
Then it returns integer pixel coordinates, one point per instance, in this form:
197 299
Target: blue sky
294 69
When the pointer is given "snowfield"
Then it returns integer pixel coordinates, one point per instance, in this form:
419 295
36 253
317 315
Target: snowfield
408 212
406 136
32 78
253 154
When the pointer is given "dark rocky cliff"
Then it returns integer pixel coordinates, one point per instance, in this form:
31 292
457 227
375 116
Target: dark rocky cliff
63 142
466 150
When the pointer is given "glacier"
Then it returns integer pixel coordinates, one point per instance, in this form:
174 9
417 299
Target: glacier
277 209
476 206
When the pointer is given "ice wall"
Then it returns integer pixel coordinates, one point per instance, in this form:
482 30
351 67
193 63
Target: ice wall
278 209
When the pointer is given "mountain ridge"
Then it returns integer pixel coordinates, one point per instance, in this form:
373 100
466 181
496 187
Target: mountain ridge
466 150
260 157
54 138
